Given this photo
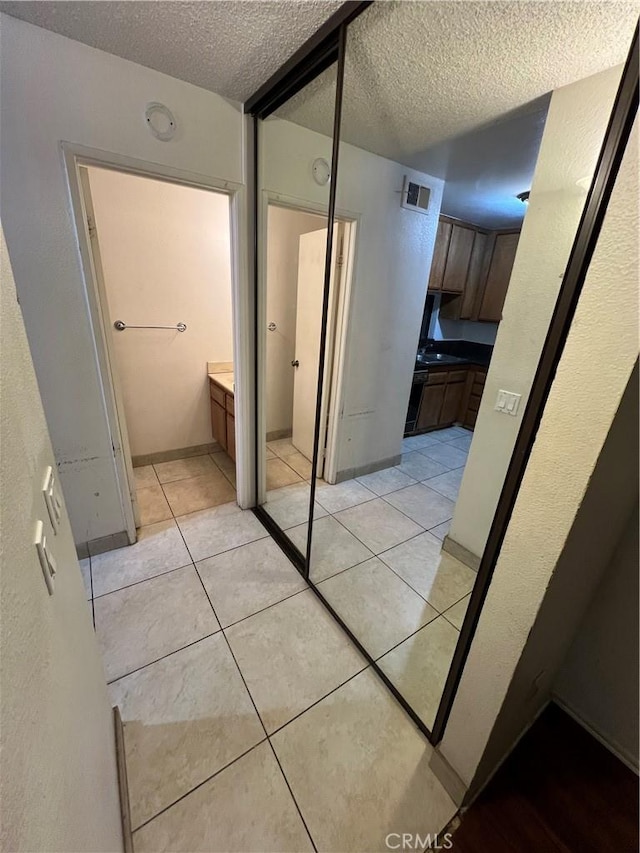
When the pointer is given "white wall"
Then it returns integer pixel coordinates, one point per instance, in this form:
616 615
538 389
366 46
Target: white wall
166 257
465 330
589 385
394 248
598 681
56 89
284 227
58 783
573 134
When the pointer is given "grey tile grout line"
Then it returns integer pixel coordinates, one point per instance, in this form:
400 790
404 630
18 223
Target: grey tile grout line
200 784
249 694
163 657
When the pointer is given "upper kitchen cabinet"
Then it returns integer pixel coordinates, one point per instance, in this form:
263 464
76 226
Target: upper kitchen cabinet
440 252
500 266
458 257
476 271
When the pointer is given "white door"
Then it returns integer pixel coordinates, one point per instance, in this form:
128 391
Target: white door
122 452
311 263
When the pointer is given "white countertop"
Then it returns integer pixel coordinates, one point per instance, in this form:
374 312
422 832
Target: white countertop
224 379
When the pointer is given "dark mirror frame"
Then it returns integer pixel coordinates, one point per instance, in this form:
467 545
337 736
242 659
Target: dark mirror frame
327 46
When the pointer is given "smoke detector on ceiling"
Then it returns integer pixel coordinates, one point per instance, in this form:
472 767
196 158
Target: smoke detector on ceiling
415 196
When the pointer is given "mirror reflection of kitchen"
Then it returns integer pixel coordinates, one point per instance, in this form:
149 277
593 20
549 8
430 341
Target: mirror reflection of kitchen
423 413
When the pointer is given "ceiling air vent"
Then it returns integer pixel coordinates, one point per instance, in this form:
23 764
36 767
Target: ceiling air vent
415 196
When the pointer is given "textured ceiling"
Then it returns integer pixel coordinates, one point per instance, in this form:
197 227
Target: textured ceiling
460 89
227 47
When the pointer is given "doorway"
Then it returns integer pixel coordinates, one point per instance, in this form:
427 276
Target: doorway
161 267
296 248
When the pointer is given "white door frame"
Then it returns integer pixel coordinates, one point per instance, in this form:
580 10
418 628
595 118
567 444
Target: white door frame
343 309
74 158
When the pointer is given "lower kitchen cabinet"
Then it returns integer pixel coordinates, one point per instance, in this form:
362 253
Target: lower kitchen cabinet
473 390
442 397
430 406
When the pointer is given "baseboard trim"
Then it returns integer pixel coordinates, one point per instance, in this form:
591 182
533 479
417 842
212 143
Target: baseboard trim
178 453
102 544
448 778
460 553
277 434
614 749
371 468
123 783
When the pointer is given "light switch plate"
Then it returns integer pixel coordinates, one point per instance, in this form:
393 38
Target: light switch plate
508 402
52 498
47 561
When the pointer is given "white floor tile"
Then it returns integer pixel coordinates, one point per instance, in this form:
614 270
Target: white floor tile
144 476
185 717
359 770
388 480
436 575
447 484
342 495
441 530
282 447
419 666
219 529
456 614
422 504
419 467
376 605
445 455
160 548
142 623
463 443
291 655
449 433
247 808
333 547
289 506
248 579
415 442
378 525
182 469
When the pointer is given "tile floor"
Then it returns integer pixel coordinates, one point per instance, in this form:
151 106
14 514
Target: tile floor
377 551
251 721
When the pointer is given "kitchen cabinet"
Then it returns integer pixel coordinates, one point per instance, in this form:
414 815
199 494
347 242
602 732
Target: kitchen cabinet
475 272
473 391
498 276
442 396
458 258
223 424
440 251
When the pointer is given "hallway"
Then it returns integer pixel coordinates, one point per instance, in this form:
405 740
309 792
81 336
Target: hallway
251 722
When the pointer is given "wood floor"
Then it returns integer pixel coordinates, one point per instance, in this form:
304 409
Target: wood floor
560 790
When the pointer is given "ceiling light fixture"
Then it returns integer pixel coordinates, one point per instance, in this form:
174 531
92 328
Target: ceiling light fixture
523 197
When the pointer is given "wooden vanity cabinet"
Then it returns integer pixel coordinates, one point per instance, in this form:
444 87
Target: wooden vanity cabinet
473 391
223 424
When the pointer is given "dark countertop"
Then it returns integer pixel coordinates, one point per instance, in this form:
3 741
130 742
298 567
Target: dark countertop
453 353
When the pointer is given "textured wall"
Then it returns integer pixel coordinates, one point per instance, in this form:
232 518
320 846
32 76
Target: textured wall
582 405
58 784
166 255
573 135
56 89
599 679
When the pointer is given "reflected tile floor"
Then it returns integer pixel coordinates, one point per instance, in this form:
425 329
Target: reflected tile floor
251 721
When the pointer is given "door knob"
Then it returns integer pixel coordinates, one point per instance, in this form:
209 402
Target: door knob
295 363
